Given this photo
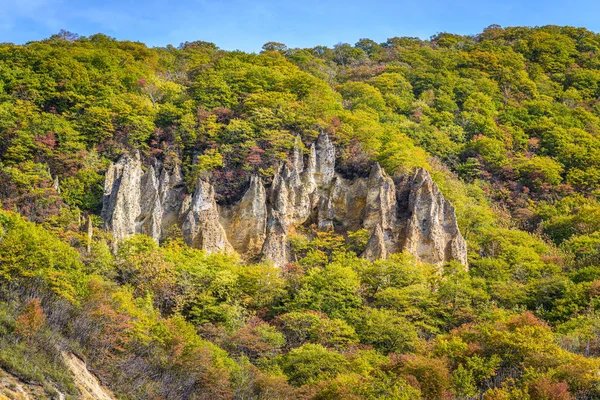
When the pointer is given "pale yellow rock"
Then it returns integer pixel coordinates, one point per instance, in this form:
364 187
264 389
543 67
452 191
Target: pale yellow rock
432 233
414 218
149 220
171 194
276 247
201 226
376 247
325 160
380 207
245 223
89 386
121 205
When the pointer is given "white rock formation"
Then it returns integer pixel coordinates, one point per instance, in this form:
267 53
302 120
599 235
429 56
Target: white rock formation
413 216
432 231
245 222
121 204
201 226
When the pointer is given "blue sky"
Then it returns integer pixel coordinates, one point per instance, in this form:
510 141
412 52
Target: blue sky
247 25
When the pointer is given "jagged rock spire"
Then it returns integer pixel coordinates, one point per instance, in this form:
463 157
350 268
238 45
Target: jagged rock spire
245 222
89 228
325 160
149 221
201 226
121 203
376 247
297 157
380 207
56 184
135 201
432 232
414 217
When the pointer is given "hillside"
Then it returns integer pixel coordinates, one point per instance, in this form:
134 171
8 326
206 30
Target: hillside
407 219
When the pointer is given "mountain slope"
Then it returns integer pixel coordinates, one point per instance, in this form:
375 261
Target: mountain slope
354 184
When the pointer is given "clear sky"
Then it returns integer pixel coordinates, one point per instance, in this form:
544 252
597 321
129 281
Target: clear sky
247 25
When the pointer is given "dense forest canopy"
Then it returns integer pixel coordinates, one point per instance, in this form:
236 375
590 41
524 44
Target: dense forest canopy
506 121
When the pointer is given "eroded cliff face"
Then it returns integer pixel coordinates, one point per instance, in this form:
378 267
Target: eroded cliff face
431 230
245 222
88 386
305 191
201 227
121 203
138 201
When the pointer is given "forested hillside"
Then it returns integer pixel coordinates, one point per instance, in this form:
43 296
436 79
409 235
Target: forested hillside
507 123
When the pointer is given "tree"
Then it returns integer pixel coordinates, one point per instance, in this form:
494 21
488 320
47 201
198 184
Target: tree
332 290
300 328
360 94
274 46
312 363
31 320
140 263
370 47
431 375
344 54
386 331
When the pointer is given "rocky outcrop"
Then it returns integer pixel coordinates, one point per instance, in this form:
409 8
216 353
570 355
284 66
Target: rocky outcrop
245 223
407 215
376 246
201 226
56 184
171 193
276 248
86 384
380 203
325 161
149 221
121 204
89 387
89 229
432 231
141 202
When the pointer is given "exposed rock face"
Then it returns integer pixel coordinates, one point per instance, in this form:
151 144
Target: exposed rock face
412 215
149 221
380 207
432 231
245 223
89 228
376 247
56 184
121 204
171 193
325 160
141 202
86 384
201 226
276 248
